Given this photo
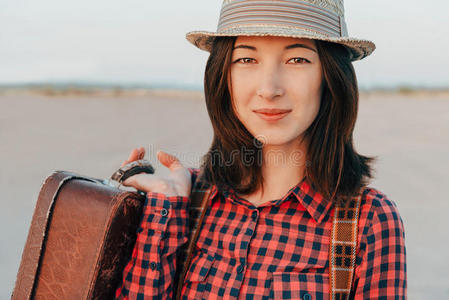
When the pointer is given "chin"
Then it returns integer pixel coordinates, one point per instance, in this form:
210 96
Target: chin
278 136
270 139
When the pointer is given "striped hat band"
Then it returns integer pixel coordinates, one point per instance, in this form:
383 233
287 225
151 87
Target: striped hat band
295 13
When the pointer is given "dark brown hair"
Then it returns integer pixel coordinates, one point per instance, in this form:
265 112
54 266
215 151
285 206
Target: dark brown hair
335 169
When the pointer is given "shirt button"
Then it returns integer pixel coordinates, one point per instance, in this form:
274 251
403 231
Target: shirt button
164 212
240 269
254 216
153 266
306 296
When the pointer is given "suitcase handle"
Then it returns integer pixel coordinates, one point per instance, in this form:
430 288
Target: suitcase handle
126 171
133 168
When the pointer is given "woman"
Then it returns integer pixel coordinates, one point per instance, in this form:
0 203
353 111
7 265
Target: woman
282 97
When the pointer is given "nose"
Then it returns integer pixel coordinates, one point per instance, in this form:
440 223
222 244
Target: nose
270 85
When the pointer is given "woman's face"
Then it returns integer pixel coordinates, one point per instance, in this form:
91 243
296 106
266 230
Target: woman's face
276 86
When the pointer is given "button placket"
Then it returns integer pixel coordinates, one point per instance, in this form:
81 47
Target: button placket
251 227
249 230
244 248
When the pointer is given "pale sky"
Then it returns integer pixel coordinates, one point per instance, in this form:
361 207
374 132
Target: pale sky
138 41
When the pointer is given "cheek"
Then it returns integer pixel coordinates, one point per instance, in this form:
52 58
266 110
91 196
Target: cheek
307 92
308 83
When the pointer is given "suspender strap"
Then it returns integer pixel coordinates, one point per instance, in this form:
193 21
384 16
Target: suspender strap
343 246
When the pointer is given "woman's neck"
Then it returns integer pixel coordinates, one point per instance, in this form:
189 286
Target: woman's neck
283 167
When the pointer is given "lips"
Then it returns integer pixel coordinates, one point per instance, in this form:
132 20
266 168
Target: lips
272 114
272 111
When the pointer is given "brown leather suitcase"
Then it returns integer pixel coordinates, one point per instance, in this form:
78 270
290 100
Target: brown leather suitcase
81 236
83 232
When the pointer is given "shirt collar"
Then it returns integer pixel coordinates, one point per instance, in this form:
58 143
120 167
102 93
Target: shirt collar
315 204
313 201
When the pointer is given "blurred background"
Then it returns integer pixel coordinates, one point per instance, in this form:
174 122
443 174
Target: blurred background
83 82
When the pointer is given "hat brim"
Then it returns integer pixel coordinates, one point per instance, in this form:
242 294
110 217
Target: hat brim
359 48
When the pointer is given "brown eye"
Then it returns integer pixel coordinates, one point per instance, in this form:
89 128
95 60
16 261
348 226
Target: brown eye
244 60
299 60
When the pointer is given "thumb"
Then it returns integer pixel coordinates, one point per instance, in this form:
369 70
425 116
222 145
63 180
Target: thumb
168 160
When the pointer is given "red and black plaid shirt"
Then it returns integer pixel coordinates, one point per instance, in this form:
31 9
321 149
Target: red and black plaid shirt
278 250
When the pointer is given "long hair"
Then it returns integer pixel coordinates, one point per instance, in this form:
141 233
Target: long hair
334 168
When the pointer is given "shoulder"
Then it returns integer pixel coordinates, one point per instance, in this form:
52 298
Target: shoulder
378 207
381 237
379 217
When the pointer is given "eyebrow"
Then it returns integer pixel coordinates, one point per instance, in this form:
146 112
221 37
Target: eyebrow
297 45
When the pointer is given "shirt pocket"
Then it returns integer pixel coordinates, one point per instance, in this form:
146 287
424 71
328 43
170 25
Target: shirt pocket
196 276
304 286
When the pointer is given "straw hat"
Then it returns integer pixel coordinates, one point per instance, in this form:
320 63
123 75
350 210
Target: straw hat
314 19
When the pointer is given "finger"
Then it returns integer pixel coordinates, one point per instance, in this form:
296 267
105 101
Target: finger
133 181
149 182
134 154
142 153
168 160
